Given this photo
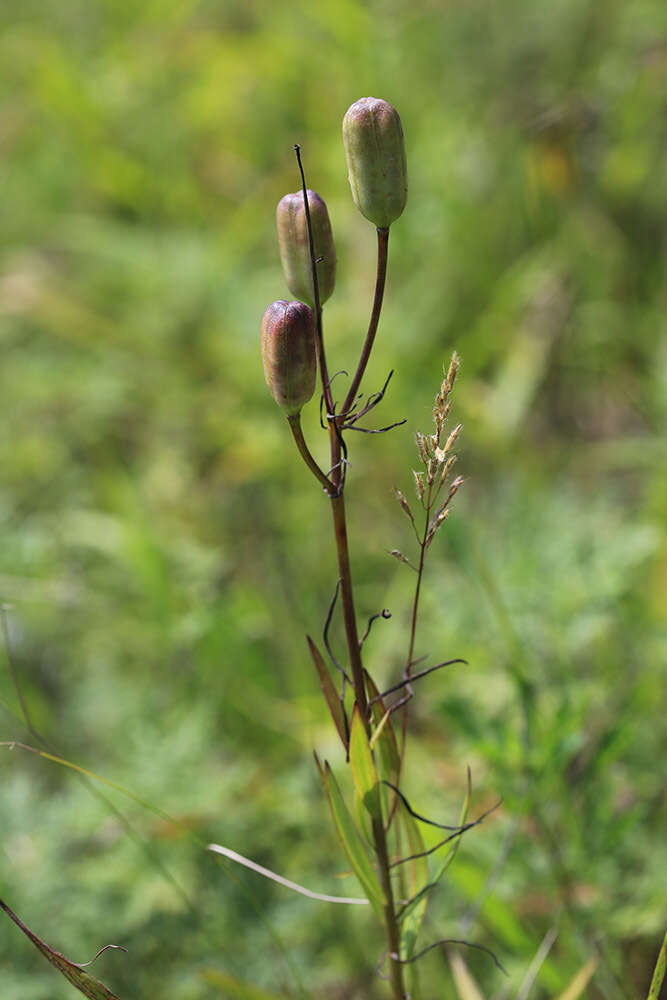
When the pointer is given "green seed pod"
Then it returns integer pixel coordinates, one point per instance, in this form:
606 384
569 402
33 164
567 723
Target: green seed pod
375 153
295 249
289 354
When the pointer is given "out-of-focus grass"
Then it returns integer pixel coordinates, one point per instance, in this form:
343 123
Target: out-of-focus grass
164 551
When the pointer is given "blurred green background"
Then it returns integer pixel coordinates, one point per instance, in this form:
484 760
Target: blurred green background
164 551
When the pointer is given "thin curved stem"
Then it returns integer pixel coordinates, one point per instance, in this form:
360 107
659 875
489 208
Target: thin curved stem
297 433
413 624
383 247
321 357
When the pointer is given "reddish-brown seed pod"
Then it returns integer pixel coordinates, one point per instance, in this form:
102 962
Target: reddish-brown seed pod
375 153
289 354
295 248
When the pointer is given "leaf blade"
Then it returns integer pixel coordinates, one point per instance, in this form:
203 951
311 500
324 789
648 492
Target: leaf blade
351 840
388 759
444 863
86 984
362 766
418 879
329 691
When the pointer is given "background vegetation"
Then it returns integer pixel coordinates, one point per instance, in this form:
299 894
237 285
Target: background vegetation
164 551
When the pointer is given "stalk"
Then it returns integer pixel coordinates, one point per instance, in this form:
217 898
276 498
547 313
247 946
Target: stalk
383 249
335 423
379 835
297 433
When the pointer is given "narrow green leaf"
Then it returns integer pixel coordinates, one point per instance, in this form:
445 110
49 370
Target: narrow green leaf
464 983
581 981
417 879
362 765
659 974
444 861
412 976
86 984
329 691
364 819
352 842
388 760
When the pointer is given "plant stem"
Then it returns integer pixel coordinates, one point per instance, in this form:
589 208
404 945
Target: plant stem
413 623
379 834
383 247
347 599
295 427
342 549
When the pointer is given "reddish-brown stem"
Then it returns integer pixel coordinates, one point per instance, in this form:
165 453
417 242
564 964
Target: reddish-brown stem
354 652
342 550
347 601
297 433
383 248
413 620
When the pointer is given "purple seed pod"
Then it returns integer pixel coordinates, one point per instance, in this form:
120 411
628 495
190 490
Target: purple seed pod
375 153
295 249
289 354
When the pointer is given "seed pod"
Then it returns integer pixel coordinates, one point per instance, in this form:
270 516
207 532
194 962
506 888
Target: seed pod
375 153
295 248
289 354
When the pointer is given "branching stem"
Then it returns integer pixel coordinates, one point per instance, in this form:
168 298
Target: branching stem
335 422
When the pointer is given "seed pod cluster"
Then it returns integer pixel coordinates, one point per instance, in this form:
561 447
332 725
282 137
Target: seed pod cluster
295 247
289 354
375 153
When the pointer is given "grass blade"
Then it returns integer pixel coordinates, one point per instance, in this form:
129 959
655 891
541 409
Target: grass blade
464 984
580 981
659 974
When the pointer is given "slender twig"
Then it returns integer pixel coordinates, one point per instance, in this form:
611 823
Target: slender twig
325 637
375 430
385 613
422 819
351 416
457 833
383 244
413 624
416 677
436 944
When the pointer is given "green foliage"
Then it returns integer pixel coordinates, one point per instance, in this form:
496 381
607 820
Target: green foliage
164 553
352 841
